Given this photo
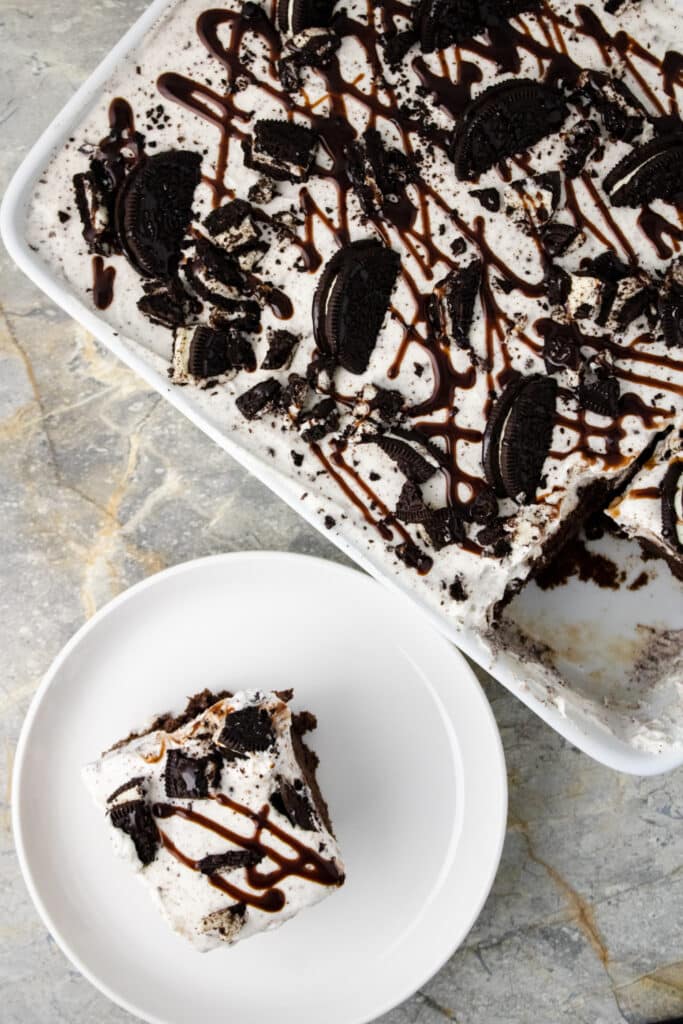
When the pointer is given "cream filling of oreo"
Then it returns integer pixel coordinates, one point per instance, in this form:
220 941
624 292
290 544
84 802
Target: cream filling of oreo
237 235
181 354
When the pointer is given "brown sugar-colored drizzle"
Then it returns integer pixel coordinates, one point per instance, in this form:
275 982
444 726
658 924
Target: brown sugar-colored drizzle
102 283
306 862
653 493
230 36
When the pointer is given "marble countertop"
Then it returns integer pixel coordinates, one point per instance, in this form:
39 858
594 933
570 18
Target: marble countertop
102 483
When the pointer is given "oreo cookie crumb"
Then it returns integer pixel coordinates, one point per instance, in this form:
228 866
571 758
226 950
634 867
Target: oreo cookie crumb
188 778
258 399
230 860
135 819
247 731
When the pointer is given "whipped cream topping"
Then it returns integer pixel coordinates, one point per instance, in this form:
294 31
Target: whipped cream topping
207 77
229 840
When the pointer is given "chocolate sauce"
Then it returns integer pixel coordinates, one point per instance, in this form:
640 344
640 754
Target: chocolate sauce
102 283
227 36
306 862
656 228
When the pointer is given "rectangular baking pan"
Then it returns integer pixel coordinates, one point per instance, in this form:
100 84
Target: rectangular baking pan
589 635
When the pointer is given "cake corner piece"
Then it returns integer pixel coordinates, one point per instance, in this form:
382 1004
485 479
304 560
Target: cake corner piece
219 811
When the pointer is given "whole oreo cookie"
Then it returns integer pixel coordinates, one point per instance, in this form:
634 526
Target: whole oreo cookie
351 301
518 437
154 209
502 121
652 171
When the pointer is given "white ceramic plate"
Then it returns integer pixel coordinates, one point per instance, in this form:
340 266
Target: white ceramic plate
411 765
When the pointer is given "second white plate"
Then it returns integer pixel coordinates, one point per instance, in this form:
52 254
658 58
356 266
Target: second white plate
411 765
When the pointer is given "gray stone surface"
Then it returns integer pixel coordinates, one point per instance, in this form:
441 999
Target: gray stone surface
101 483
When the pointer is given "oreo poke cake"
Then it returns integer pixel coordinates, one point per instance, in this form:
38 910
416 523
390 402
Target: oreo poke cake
421 258
220 812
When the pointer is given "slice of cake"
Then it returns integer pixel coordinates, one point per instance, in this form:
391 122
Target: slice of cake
651 510
219 811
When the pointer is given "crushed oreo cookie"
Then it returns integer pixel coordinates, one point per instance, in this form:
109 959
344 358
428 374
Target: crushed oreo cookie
310 48
319 421
168 304
281 347
281 149
134 817
451 307
154 209
599 388
247 730
653 171
379 174
294 805
409 461
189 778
229 861
518 436
504 120
259 399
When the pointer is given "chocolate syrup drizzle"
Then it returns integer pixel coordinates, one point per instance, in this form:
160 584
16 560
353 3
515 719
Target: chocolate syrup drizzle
224 34
305 863
102 283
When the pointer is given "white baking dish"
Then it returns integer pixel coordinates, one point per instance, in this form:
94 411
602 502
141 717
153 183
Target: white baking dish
594 637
